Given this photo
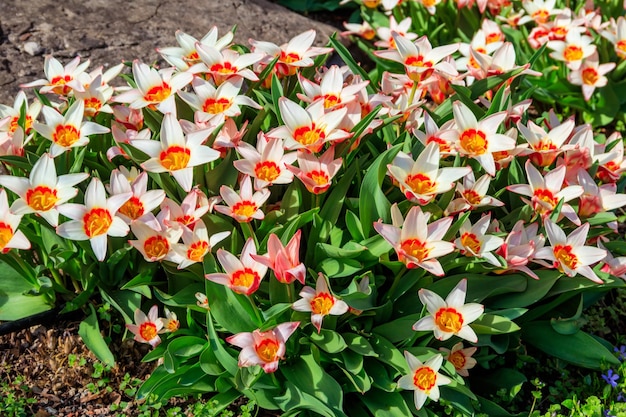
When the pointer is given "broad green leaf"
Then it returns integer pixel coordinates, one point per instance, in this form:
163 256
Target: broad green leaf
350 250
232 311
359 344
187 346
336 268
295 399
386 404
375 206
15 303
380 375
89 331
398 329
329 341
579 348
209 363
389 354
535 290
480 287
492 324
228 362
310 378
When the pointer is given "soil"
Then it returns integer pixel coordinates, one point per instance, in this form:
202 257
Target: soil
37 363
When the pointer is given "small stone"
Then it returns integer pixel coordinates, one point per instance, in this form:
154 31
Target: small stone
32 48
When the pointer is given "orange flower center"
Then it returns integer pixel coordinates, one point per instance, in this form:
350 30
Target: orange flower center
289 58
158 93
147 331
331 100
474 142
267 349
267 171
28 123
197 250
371 3
449 320
545 196
92 105
245 209
308 135
65 135
429 3
41 198
192 56
156 247
424 378
471 243
444 146
133 208
458 359
544 145
186 219
245 278
472 61
319 177
472 197
223 68
541 16
59 82
564 256
415 248
420 183
559 32
572 53
97 222
6 234
590 76
172 325
493 37
620 48
322 303
175 158
216 105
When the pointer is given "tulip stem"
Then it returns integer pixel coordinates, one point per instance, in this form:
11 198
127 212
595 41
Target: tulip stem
257 313
248 232
396 281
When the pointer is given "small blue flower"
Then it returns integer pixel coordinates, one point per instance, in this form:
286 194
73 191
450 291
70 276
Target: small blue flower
621 398
611 378
622 352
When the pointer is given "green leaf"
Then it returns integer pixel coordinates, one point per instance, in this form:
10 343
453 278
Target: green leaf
492 324
231 311
389 354
579 348
349 250
187 346
359 344
228 362
310 378
375 206
89 331
399 329
386 404
295 399
336 268
209 363
15 303
329 341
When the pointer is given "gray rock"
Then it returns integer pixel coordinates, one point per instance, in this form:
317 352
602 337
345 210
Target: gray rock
33 48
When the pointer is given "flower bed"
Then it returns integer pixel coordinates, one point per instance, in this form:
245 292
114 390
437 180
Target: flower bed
312 236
